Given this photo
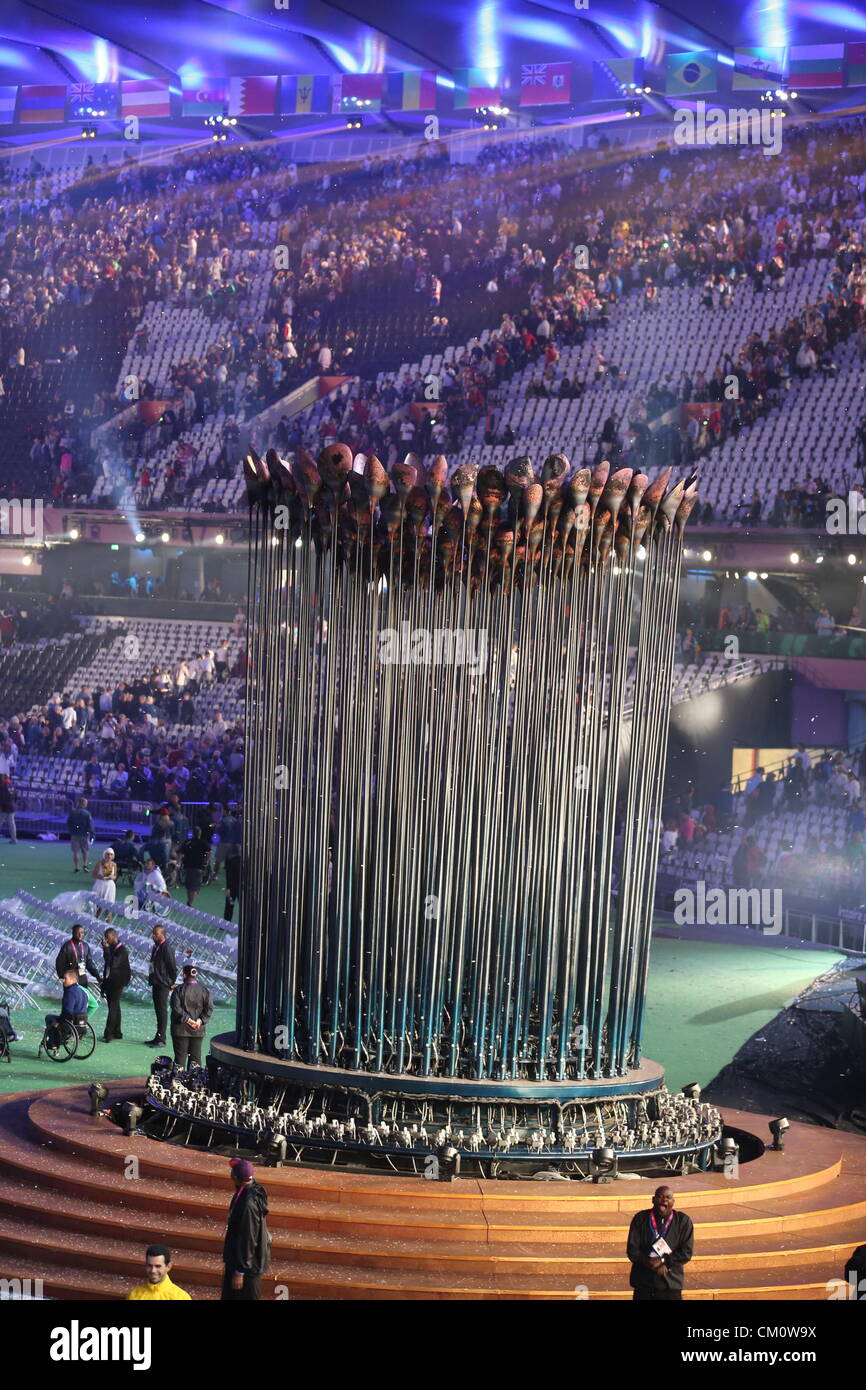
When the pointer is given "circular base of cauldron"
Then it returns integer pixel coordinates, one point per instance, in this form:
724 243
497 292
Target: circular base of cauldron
293 1112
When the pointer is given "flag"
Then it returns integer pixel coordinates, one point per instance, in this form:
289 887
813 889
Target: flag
611 77
757 68
356 91
476 87
252 96
91 99
690 72
148 97
7 105
205 101
545 84
816 65
857 65
305 95
410 91
37 105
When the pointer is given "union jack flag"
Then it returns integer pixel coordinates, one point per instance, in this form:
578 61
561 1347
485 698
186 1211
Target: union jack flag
545 84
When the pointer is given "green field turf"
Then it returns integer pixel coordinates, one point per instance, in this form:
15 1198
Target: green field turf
705 999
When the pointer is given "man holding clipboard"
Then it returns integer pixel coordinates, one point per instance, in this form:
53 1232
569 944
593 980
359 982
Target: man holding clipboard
660 1243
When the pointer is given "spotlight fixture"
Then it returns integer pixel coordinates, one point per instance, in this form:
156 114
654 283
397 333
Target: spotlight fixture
794 557
764 574
88 132
819 559
727 1151
219 538
165 537
602 1165
139 538
777 1128
852 559
707 555
275 1145
793 96
97 1093
692 1091
74 533
27 560
131 1114
353 125
751 575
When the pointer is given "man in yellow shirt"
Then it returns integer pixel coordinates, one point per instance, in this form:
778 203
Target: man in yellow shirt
157 1265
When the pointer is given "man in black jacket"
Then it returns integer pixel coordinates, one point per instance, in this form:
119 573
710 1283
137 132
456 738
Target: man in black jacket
79 823
191 1007
75 955
660 1243
247 1244
161 978
116 976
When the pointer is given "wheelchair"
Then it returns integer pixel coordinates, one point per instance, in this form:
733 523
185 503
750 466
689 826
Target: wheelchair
64 1040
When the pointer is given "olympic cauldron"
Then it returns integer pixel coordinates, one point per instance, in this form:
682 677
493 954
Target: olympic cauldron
457 710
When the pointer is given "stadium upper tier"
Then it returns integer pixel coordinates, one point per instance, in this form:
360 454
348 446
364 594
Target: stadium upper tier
234 277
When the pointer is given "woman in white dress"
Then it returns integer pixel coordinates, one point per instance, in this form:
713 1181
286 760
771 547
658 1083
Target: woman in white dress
104 879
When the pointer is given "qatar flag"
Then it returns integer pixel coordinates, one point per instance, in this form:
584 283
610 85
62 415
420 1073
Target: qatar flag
253 96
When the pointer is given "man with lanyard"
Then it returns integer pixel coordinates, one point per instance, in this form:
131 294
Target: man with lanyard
660 1243
75 955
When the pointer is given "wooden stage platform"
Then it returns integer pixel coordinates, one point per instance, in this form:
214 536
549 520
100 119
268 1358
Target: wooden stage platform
71 1216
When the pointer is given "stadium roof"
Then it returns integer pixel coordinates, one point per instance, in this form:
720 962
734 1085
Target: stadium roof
188 41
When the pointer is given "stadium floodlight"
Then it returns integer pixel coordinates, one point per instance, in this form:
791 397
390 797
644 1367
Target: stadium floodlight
819 559
764 574
139 538
165 537
74 533
707 555
219 538
794 557
793 96
852 559
27 560
752 574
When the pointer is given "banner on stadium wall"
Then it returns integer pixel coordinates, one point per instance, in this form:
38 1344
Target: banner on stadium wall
857 65
814 65
356 91
147 98
305 95
545 84
758 68
85 99
474 87
210 100
687 73
612 76
410 91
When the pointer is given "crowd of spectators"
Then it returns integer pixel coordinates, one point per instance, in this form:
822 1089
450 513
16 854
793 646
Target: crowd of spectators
127 741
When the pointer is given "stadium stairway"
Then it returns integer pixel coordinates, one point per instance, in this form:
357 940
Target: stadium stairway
71 1215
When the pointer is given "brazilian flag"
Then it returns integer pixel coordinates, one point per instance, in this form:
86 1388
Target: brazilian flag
687 73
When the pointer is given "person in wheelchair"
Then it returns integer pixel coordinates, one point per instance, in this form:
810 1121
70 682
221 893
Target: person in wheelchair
73 1010
127 856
